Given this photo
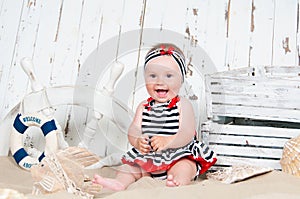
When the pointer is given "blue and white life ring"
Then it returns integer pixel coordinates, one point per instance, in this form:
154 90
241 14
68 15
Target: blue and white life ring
20 125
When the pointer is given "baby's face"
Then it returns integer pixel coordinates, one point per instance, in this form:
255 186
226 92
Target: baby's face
163 78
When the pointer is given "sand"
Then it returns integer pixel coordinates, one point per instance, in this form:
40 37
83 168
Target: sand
273 185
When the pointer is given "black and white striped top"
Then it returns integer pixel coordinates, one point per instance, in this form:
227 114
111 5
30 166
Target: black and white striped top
160 119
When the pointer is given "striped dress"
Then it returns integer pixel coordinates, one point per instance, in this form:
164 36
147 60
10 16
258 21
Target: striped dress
163 120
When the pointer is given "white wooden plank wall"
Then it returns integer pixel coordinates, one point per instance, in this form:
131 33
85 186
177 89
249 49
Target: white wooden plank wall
60 35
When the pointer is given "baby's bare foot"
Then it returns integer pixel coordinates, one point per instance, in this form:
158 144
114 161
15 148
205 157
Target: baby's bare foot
108 183
171 182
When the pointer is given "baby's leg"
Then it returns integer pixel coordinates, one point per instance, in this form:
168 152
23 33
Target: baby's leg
125 176
181 173
108 183
171 182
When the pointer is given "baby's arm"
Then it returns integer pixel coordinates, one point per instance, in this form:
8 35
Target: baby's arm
135 136
186 131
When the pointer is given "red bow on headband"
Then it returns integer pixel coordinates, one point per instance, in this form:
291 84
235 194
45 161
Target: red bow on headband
163 51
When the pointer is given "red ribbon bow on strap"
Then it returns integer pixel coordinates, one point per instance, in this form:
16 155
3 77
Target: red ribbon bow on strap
173 102
163 51
147 105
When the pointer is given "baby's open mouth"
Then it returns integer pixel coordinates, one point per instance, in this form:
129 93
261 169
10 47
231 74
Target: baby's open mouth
162 92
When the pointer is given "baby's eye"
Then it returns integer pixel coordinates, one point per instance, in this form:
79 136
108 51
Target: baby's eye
169 75
152 75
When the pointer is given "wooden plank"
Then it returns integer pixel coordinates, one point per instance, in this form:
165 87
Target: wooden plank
298 35
9 26
253 152
261 41
214 29
287 71
14 38
1 4
89 30
246 140
255 90
260 100
156 13
263 113
46 41
25 45
242 80
259 73
252 82
285 29
65 66
224 161
254 130
244 71
196 17
208 100
170 20
239 18
111 17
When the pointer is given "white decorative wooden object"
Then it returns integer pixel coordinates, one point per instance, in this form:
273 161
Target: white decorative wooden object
41 97
258 95
90 130
28 68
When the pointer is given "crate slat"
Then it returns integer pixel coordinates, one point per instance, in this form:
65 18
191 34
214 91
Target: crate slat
251 152
260 89
259 113
284 70
244 141
281 82
228 161
264 131
258 101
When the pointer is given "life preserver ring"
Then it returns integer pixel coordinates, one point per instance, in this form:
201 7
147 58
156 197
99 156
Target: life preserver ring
20 125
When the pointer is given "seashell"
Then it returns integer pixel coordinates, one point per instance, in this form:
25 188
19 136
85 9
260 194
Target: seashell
290 160
237 173
80 155
11 194
64 170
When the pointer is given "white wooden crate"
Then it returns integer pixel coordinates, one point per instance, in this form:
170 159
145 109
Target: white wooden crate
261 95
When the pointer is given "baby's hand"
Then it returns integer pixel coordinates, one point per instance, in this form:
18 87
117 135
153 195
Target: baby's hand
159 143
142 144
